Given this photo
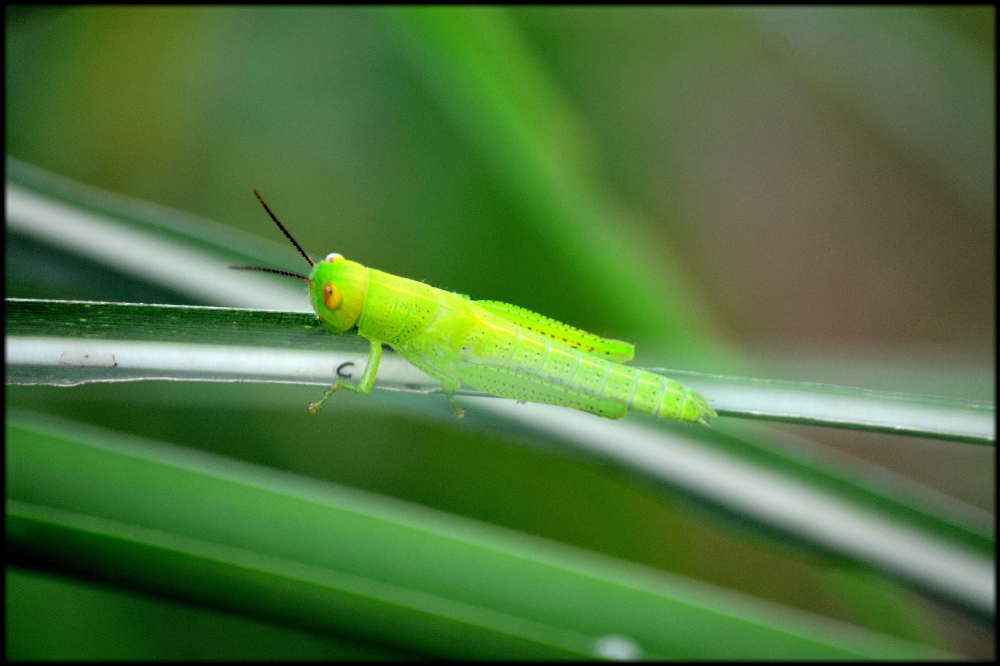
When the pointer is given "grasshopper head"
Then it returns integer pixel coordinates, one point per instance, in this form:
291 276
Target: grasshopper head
337 290
337 287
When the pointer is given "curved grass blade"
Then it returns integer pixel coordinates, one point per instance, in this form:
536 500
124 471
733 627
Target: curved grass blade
331 559
131 341
182 257
809 403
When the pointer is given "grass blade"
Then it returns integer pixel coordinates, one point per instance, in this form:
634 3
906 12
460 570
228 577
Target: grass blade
332 559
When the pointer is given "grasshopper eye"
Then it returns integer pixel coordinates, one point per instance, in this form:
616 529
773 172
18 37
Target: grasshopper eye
332 297
333 258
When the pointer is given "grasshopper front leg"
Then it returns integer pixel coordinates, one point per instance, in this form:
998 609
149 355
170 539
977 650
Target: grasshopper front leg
363 386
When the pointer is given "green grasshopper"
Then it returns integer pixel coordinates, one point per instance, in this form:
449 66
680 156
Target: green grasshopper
497 348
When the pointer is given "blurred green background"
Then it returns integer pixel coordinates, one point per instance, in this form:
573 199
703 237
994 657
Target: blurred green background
794 193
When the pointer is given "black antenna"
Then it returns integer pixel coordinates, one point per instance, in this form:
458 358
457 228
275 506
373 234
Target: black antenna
262 269
283 230
241 267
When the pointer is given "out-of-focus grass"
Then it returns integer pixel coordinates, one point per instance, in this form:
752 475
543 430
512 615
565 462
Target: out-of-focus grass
747 146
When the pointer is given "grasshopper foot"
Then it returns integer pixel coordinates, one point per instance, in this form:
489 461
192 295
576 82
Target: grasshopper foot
315 406
459 412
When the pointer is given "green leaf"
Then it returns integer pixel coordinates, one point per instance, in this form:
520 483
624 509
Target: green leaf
340 561
219 344
810 403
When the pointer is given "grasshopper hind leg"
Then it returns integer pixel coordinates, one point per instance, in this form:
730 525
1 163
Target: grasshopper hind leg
525 387
449 383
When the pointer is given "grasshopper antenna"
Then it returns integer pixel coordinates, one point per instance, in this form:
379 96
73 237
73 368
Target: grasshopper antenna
242 267
263 269
280 226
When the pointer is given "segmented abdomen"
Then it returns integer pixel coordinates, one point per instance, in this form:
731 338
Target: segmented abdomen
639 390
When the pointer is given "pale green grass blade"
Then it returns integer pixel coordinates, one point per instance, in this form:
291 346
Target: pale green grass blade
809 403
180 258
335 560
159 342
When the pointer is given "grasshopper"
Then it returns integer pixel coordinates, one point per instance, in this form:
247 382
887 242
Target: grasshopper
501 349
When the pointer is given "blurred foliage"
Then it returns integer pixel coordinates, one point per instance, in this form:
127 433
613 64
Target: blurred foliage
771 178
706 134
89 619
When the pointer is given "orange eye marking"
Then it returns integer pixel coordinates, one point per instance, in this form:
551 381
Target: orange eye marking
332 297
